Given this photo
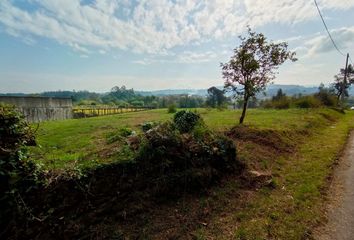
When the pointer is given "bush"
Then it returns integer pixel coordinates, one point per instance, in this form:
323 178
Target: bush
327 99
179 162
185 121
283 103
172 108
17 173
307 102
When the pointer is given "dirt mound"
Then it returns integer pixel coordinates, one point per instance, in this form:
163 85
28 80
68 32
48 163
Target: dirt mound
281 141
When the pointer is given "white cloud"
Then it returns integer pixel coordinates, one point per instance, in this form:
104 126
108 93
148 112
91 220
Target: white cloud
144 61
77 48
183 57
343 38
152 26
192 57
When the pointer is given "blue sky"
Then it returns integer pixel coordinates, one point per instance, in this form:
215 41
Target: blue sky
160 44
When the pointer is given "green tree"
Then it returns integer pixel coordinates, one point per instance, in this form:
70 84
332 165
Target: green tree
280 95
253 65
216 97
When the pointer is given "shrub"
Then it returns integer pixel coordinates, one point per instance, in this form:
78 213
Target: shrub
185 121
172 108
283 103
326 98
307 102
173 162
17 173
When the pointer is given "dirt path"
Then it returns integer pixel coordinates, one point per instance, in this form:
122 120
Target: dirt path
340 214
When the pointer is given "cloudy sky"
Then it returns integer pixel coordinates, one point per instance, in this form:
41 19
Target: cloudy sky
160 44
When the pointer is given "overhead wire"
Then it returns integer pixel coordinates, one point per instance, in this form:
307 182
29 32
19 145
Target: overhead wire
350 59
329 34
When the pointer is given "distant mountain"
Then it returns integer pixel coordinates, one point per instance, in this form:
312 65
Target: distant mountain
271 91
290 90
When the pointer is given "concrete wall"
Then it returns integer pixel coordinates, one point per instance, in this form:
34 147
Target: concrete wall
38 109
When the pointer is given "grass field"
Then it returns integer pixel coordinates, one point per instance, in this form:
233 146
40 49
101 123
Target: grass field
82 142
312 138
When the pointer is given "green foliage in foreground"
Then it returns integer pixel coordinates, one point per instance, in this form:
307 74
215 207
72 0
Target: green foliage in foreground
185 121
164 161
17 173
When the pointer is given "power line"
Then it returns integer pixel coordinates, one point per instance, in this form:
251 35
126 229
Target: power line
329 34
351 60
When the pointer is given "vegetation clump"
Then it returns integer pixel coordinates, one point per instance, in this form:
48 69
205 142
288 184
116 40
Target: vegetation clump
185 121
18 175
146 126
171 108
177 158
308 102
325 97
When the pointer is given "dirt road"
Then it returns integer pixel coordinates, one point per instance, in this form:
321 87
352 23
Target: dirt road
340 224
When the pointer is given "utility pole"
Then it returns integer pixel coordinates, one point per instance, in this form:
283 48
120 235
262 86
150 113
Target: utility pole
345 77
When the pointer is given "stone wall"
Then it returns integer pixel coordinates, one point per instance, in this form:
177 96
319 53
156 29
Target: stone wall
38 109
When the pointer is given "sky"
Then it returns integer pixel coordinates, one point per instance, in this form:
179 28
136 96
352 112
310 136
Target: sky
161 44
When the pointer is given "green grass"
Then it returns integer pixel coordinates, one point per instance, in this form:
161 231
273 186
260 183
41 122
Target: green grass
295 206
81 143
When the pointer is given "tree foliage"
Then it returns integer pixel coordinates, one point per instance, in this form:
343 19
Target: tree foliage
253 65
340 86
216 97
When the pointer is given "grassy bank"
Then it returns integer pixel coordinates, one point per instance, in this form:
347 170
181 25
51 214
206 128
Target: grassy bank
298 147
80 143
294 206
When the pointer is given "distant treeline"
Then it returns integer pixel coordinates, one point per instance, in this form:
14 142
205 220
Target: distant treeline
213 97
124 97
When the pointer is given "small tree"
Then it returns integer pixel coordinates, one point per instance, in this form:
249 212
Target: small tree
253 66
340 86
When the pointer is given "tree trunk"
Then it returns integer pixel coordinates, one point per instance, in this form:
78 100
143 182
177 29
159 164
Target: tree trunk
245 103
